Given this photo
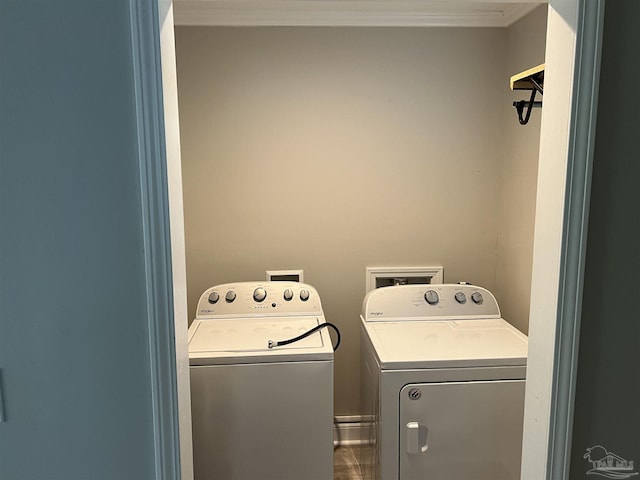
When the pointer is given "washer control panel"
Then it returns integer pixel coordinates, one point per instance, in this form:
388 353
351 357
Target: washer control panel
429 302
259 298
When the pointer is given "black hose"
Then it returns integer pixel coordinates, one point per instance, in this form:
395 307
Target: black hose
273 344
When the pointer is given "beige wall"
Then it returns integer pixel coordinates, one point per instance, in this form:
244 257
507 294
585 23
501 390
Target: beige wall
334 149
518 174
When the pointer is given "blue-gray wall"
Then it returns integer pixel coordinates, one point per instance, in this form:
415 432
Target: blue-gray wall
608 389
74 339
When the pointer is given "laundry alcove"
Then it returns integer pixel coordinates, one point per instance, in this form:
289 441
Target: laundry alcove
345 378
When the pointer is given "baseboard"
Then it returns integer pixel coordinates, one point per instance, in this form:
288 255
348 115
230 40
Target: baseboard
351 430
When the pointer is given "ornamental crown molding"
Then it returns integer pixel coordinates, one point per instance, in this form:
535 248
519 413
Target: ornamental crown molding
402 13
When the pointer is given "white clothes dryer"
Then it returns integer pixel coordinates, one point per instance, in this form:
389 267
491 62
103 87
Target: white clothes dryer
443 378
260 410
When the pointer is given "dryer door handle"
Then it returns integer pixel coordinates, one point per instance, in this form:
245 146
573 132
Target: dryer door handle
416 438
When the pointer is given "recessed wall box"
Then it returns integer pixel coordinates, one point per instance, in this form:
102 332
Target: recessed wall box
386 276
285 275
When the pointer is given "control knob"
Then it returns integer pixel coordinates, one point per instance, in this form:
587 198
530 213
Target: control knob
214 297
288 294
477 298
230 296
304 295
259 294
431 296
461 297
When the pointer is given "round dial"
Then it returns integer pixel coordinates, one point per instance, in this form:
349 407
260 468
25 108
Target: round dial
304 295
259 294
431 296
477 298
230 296
214 297
288 294
461 297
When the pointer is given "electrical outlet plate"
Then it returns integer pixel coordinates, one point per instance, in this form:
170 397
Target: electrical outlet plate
385 276
285 275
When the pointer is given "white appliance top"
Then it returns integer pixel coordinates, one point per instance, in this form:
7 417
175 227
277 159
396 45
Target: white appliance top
235 321
440 326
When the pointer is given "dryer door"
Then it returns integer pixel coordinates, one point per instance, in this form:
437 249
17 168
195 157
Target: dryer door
461 430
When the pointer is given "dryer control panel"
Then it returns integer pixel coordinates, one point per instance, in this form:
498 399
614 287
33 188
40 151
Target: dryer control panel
429 302
259 298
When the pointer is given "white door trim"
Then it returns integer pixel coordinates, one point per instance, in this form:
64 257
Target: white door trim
564 181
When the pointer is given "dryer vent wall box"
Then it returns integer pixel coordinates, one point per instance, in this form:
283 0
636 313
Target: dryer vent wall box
391 276
393 281
285 276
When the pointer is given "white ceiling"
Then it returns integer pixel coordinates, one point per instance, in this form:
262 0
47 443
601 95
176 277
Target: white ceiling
404 13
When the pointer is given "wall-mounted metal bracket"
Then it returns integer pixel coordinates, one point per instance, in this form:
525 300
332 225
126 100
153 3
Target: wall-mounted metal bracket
530 105
532 79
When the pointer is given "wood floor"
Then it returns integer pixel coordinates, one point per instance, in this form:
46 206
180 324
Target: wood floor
345 463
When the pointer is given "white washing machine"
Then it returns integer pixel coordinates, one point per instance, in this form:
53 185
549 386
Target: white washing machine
261 412
443 378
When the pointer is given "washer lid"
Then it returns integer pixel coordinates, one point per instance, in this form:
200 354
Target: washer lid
447 344
245 340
